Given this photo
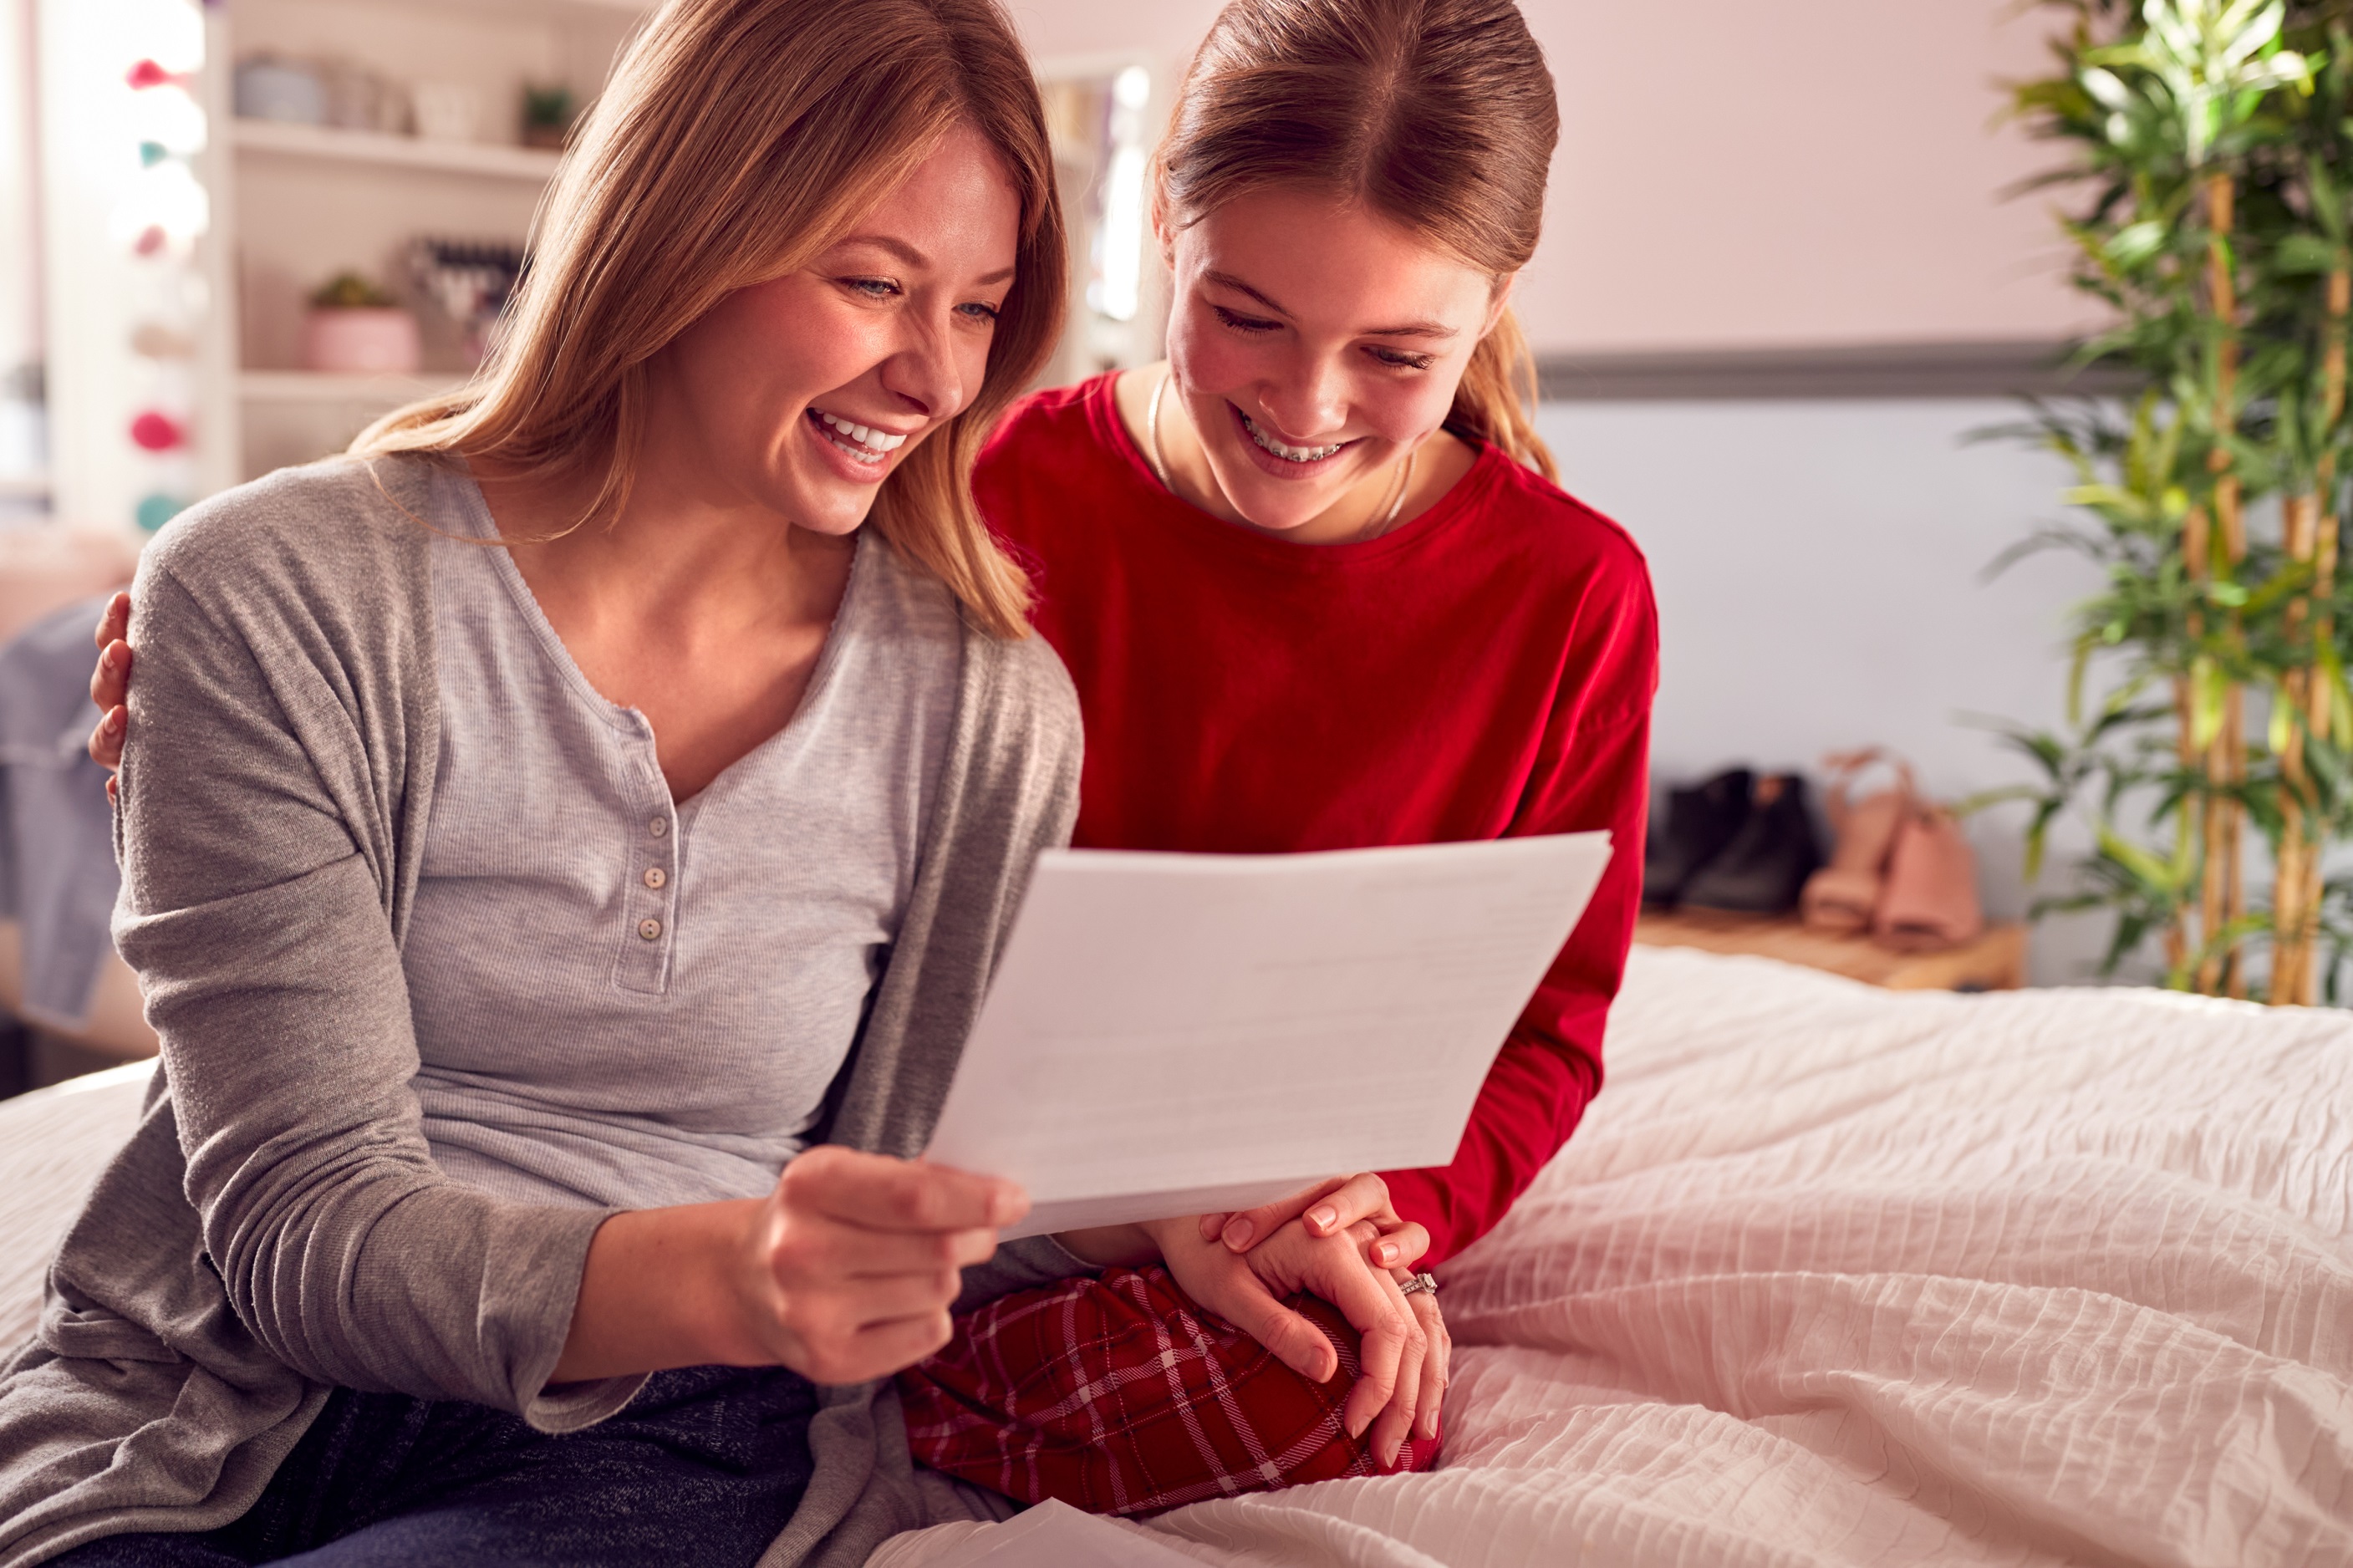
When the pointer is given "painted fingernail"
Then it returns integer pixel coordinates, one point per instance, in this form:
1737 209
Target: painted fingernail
1324 1217
1387 1253
1238 1233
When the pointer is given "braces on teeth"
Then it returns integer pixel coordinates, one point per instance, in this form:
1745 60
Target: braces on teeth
1288 453
862 442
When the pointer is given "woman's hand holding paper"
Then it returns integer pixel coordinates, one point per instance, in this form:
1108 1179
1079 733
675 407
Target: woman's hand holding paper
844 1272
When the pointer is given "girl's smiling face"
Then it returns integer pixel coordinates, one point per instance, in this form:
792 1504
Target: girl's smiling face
1315 344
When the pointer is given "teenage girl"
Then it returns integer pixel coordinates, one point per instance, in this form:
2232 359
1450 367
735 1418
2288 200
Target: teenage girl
1318 591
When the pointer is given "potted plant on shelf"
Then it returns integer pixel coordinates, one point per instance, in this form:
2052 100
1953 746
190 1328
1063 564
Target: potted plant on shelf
548 113
354 326
2208 715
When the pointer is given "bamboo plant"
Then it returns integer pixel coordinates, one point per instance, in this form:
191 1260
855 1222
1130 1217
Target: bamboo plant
2211 156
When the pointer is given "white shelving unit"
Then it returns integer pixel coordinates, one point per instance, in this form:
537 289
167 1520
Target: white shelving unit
306 202
484 158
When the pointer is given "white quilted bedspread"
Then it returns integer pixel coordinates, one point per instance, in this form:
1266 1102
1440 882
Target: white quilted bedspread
1834 1276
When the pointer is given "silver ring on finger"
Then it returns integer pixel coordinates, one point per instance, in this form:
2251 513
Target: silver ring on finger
1419 1282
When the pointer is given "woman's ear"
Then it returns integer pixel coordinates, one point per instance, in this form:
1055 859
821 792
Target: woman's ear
1499 303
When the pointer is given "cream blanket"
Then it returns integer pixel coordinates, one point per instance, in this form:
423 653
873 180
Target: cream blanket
1833 1276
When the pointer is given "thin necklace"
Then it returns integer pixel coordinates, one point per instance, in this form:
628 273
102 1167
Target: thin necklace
1160 466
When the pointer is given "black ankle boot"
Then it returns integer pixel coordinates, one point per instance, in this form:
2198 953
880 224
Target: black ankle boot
1764 866
1700 822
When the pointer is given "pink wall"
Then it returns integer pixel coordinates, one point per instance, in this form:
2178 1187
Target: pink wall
1734 173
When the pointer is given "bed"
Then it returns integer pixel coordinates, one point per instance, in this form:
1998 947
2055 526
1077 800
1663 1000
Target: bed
1831 1274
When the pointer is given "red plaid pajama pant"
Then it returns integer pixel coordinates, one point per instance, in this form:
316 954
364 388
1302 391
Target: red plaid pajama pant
1120 1395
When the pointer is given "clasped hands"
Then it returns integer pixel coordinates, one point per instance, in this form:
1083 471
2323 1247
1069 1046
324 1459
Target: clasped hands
1339 1239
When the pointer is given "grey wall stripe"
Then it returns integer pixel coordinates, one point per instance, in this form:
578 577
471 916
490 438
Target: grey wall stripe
1872 371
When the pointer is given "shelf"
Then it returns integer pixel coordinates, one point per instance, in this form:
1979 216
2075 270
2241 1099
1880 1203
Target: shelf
16 488
484 159
321 386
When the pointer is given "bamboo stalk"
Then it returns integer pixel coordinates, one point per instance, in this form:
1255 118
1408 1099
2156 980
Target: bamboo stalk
2316 693
2295 899
2319 699
2290 928
2196 553
2224 889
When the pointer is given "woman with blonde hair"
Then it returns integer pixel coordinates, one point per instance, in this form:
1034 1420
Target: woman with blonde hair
563 851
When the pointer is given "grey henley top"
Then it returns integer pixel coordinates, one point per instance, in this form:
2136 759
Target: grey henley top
278 1225
625 1002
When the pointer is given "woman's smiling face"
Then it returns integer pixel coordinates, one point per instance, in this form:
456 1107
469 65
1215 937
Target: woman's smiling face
1314 342
802 394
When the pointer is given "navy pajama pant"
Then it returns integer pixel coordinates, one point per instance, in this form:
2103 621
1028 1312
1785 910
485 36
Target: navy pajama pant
705 1466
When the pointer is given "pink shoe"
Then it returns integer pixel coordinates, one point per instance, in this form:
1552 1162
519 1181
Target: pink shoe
1930 900
1842 896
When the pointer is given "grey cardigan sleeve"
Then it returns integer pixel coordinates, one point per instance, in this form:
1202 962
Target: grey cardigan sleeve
258 908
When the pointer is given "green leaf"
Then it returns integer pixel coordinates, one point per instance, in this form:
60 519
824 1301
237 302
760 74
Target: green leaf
2304 254
2330 664
2037 836
2208 689
2084 647
2151 872
2107 86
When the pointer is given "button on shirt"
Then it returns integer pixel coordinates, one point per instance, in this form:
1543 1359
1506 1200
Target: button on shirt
620 1000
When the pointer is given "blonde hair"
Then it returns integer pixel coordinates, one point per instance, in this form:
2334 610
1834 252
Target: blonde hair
737 141
1437 114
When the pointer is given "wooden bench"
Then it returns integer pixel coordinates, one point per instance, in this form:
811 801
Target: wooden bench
1995 961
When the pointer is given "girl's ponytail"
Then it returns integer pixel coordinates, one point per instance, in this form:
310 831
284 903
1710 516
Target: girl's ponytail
1497 393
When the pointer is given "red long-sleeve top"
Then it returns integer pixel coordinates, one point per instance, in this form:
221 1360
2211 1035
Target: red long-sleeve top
1485 669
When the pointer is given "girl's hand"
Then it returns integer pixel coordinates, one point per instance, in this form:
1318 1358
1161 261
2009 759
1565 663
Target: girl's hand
1330 1206
1397 1380
110 686
845 1272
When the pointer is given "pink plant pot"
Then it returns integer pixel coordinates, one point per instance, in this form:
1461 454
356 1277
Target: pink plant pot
375 339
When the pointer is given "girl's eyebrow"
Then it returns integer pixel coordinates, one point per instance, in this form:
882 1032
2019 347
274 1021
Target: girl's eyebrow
1227 281
1437 329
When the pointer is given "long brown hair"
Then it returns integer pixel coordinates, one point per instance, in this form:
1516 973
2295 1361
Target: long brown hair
1437 114
737 139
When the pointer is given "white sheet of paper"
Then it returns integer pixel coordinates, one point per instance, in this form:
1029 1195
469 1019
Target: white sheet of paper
1172 1034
